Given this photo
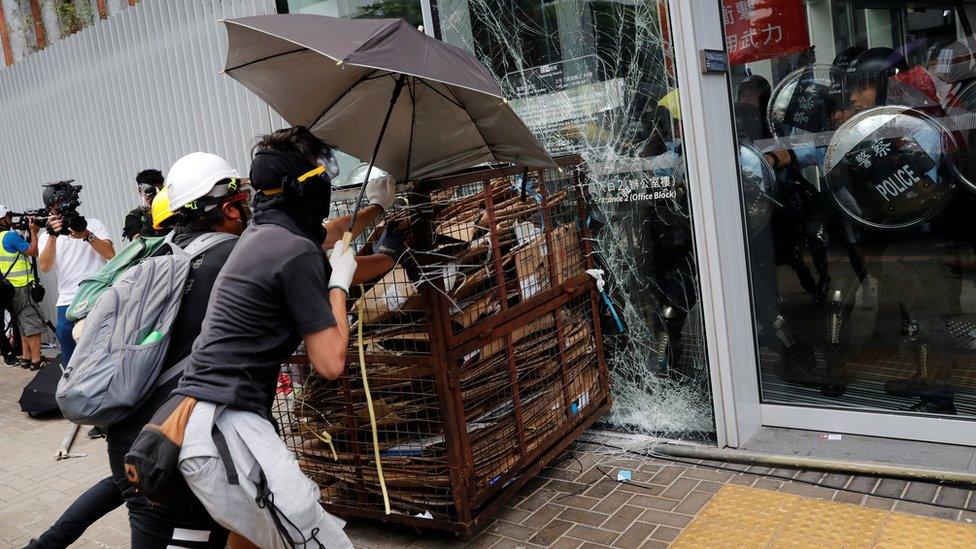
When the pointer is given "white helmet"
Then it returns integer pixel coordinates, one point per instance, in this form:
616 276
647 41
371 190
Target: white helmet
3 211
194 176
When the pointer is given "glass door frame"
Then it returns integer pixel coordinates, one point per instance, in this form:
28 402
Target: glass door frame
706 110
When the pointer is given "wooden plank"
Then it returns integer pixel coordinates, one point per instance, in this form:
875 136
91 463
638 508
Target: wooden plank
35 7
8 53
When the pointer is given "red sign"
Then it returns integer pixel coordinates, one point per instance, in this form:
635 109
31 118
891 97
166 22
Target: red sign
762 29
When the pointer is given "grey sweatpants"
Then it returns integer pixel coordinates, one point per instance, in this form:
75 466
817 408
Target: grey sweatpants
255 447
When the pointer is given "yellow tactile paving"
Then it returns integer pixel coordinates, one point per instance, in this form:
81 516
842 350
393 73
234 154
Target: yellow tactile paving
743 517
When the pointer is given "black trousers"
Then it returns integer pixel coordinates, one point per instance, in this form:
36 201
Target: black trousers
96 502
153 527
156 526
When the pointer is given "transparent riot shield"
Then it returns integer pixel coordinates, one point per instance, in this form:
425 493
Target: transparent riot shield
891 167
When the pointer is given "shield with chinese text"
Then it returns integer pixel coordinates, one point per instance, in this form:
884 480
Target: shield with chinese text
804 100
890 167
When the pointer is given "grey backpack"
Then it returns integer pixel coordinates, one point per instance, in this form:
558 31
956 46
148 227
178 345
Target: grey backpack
119 358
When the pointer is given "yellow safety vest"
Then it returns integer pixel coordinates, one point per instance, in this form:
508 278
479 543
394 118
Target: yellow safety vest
20 269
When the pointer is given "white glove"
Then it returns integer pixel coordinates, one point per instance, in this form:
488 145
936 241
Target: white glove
343 262
381 192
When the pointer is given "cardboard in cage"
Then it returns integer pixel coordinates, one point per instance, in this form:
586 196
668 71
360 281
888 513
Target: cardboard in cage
483 354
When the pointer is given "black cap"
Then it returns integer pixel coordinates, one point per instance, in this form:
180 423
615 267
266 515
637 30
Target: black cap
272 170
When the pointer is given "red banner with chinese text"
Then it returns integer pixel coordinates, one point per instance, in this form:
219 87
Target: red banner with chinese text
762 29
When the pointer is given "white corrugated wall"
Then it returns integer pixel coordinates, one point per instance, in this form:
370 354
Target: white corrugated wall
135 91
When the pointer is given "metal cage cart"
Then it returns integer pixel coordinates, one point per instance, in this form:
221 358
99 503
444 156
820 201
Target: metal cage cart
482 350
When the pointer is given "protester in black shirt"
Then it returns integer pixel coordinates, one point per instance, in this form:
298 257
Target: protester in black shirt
139 222
276 291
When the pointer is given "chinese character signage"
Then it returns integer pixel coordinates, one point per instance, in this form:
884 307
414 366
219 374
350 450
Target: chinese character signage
762 29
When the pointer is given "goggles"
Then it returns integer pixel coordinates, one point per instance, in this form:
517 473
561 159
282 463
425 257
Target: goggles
147 190
331 164
314 172
243 196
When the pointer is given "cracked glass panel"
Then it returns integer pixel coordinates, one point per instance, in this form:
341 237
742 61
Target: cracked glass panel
596 78
862 245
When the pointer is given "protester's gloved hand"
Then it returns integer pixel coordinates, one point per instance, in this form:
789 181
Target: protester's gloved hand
343 262
393 240
381 192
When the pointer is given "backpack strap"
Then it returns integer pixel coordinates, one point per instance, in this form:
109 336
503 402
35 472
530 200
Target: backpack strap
207 241
230 468
173 371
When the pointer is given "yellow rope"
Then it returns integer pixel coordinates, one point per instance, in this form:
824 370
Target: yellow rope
327 438
369 405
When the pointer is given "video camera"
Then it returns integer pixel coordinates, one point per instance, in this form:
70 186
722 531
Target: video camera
22 219
62 196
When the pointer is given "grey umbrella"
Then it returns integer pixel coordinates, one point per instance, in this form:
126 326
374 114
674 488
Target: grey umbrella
358 82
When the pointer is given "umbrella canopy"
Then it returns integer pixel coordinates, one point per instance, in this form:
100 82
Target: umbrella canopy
337 76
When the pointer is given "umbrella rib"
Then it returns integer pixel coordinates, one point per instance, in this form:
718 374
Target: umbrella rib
475 124
455 102
337 99
266 59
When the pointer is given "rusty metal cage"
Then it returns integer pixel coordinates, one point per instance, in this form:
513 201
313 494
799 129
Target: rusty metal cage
482 349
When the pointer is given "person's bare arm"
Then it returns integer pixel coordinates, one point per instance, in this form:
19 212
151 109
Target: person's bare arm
32 248
102 247
49 254
327 348
372 266
335 227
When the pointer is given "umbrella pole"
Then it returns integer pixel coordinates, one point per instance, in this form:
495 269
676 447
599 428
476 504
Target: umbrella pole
400 81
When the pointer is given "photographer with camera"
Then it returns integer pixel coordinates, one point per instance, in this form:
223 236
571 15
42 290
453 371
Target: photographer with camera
139 221
73 245
16 270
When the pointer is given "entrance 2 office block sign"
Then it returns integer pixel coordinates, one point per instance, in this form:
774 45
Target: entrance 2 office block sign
762 29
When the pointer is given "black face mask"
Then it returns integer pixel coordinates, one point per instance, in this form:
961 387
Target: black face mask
306 202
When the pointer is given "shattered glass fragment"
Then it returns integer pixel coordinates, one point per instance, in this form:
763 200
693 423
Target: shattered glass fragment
596 78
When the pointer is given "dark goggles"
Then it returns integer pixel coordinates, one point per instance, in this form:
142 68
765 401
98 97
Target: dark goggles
148 190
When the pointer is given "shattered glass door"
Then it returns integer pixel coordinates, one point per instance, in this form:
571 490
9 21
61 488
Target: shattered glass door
596 78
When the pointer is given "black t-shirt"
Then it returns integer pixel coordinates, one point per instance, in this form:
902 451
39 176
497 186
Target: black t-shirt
272 291
186 327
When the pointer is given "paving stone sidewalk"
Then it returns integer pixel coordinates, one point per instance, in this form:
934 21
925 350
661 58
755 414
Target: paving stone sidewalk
576 503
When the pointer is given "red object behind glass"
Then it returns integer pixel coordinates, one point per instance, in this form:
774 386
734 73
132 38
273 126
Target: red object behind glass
763 29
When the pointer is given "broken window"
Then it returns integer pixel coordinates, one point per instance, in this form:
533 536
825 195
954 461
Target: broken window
596 78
